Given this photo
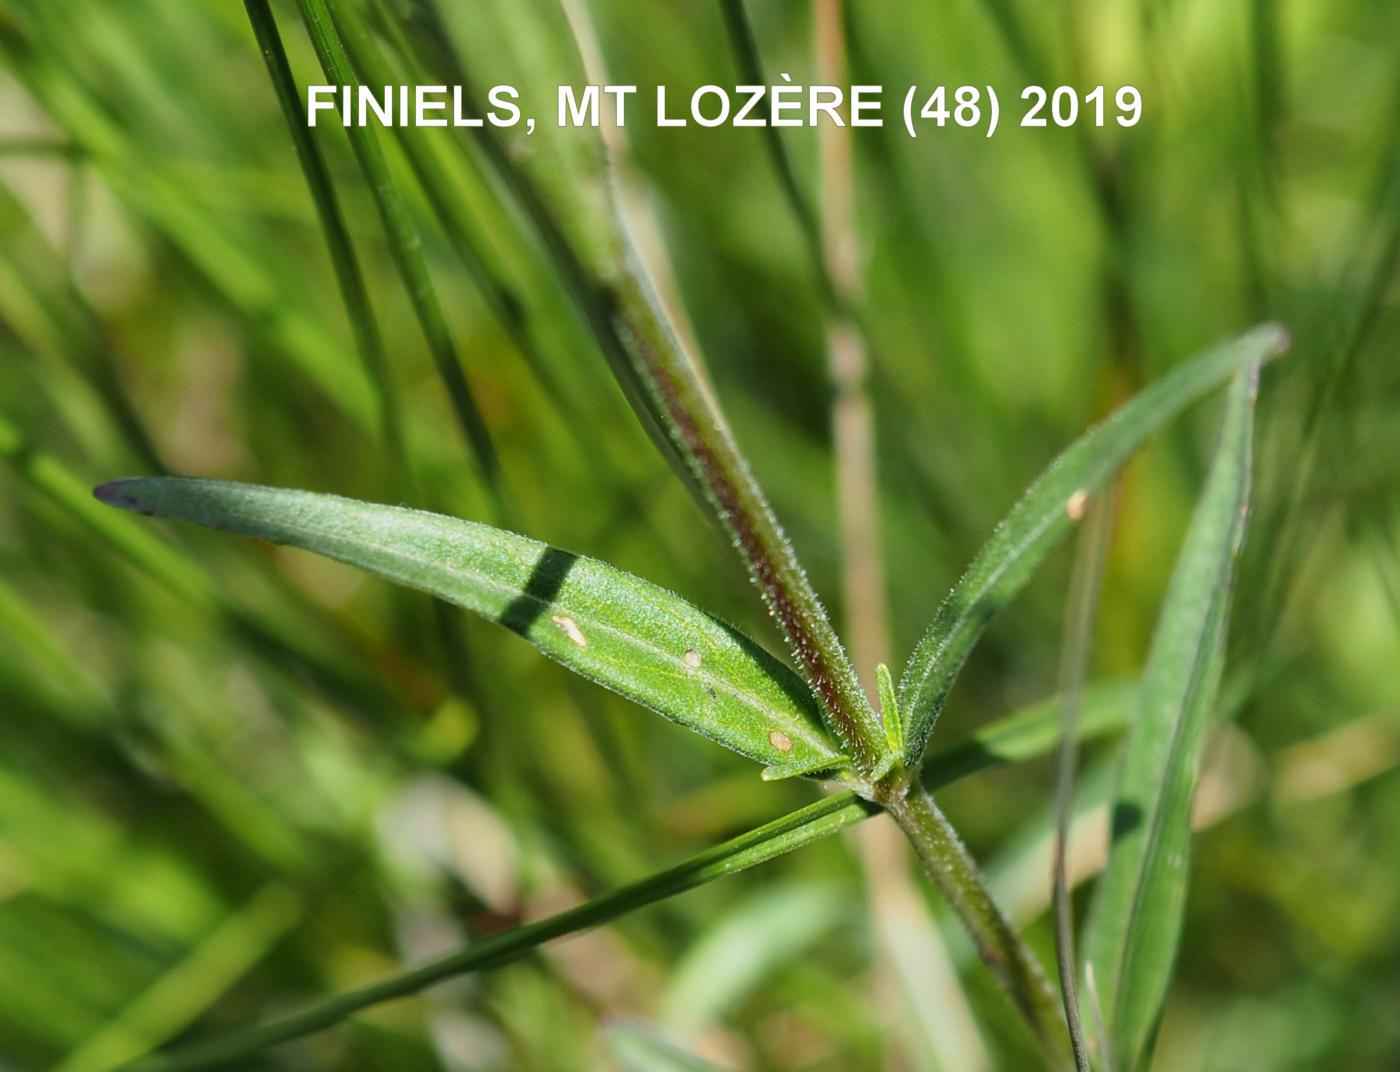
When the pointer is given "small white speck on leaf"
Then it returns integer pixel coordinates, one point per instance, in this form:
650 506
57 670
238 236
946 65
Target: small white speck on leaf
780 740
692 659
1077 505
570 629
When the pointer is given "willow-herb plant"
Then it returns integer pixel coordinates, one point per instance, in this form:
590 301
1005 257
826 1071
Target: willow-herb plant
810 718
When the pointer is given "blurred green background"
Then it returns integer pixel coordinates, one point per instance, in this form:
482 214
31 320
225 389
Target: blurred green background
234 779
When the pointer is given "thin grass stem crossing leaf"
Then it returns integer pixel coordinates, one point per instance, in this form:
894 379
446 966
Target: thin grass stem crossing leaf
1136 918
622 632
1020 737
1048 510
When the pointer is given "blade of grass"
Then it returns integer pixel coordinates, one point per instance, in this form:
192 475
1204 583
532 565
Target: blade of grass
744 43
619 631
1080 616
1136 919
72 851
71 326
404 242
355 297
1020 737
476 214
182 993
1007 561
464 233
1365 282
349 277
31 642
483 223
66 687
236 265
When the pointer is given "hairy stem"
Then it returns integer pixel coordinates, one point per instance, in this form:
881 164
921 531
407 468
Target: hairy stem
702 437
1001 948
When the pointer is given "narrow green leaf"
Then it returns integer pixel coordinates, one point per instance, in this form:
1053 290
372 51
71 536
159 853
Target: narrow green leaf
1014 739
1081 616
1136 920
404 241
611 627
744 44
241 261
889 710
349 277
61 321
1048 510
190 986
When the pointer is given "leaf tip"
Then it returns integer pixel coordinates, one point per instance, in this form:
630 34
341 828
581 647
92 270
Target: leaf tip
123 494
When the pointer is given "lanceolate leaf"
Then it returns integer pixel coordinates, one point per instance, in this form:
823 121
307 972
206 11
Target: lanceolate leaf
622 632
1051 506
1136 919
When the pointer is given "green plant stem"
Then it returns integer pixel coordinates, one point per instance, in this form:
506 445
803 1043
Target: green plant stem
954 872
404 241
1080 616
1011 740
744 43
831 249
454 213
349 278
76 330
229 256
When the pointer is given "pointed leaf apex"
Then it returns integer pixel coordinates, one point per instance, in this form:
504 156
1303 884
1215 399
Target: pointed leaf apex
889 710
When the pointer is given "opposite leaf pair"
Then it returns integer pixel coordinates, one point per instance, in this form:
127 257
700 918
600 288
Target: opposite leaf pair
659 650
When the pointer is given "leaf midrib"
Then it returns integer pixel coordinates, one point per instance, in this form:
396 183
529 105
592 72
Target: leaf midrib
398 553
